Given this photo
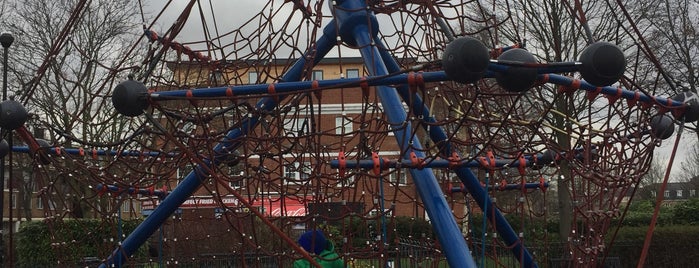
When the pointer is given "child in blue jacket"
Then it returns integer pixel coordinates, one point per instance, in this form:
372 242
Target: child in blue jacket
314 242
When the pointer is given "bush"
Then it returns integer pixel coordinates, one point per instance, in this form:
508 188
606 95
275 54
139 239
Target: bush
671 246
687 212
67 242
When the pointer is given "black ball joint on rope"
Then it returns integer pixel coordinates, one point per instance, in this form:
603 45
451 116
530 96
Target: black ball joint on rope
517 78
661 126
691 112
130 98
12 116
602 64
465 60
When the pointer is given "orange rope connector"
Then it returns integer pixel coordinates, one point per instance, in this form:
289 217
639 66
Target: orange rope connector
365 86
343 163
453 160
377 163
522 165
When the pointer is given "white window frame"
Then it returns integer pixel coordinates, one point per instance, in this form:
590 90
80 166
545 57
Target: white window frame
317 75
679 193
343 125
253 76
666 194
352 70
392 177
216 77
237 183
294 124
52 204
346 182
126 206
297 175
692 193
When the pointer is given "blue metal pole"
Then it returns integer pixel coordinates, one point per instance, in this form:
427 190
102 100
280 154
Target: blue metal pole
470 181
131 190
293 87
195 178
353 22
512 186
90 152
432 162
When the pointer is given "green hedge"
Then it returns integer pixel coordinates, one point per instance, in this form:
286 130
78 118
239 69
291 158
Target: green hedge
67 243
671 246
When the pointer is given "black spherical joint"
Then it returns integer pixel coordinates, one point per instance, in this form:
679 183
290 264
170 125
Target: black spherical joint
661 126
602 64
516 78
691 99
6 39
548 157
12 115
4 148
465 60
129 98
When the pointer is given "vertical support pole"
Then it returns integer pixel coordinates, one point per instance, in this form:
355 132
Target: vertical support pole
194 179
6 39
358 27
470 181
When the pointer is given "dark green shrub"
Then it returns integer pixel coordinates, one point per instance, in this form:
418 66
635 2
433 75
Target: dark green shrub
687 212
68 242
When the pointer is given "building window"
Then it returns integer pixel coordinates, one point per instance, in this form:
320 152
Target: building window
317 75
236 178
298 126
40 203
252 78
667 193
216 77
397 176
352 73
14 201
183 172
692 193
345 182
342 125
679 193
126 206
297 173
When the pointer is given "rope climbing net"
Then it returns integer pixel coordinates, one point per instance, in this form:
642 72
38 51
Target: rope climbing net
409 132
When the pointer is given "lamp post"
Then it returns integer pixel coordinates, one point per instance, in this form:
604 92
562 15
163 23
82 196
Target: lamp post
6 40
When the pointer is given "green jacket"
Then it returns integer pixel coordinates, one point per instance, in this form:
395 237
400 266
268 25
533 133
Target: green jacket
327 259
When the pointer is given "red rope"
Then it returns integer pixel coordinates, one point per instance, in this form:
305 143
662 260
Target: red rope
658 204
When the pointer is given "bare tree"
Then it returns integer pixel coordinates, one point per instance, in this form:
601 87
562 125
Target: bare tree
673 37
66 82
551 30
650 182
689 170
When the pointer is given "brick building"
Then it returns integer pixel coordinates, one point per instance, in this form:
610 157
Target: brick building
337 115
